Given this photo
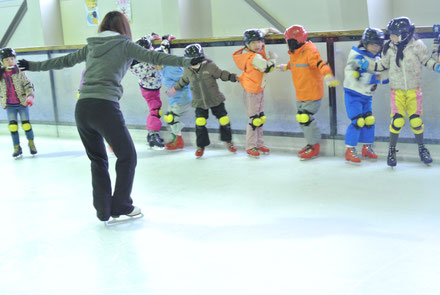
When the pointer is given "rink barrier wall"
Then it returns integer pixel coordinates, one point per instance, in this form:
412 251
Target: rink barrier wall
330 131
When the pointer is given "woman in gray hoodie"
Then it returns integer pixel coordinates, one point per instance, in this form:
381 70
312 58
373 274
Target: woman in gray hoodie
97 114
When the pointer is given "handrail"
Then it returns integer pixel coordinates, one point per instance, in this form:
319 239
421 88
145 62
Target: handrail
344 35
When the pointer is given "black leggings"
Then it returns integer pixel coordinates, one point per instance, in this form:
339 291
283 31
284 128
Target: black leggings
202 132
99 119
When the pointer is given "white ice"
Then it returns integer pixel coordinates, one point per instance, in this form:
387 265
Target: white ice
225 224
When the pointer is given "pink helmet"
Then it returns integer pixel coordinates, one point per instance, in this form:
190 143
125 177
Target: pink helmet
296 32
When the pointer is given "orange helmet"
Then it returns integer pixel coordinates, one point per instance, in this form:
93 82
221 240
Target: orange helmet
296 32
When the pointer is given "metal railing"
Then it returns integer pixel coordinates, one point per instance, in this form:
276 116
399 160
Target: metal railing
329 38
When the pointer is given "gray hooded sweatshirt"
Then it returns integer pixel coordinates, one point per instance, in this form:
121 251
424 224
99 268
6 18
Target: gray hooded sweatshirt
108 57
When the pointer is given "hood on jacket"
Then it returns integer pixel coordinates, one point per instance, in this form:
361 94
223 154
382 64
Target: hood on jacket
104 42
240 57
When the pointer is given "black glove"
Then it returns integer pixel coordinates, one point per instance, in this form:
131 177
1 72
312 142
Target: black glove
23 65
197 60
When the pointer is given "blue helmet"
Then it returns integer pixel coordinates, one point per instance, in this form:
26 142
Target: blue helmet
373 36
401 26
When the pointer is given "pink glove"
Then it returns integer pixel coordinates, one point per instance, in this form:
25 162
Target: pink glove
172 91
282 67
29 101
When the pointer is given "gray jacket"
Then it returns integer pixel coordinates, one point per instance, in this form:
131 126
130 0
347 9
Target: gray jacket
203 84
108 57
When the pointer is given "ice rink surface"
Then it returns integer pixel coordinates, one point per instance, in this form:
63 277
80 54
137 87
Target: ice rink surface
225 224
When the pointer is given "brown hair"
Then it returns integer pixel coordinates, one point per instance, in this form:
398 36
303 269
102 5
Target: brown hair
117 22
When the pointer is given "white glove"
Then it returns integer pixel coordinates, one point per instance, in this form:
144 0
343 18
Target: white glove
270 31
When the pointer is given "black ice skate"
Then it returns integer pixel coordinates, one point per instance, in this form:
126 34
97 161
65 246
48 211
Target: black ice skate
425 157
32 147
18 153
391 159
118 219
155 142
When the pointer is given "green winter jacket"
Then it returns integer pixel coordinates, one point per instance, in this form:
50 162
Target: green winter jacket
203 84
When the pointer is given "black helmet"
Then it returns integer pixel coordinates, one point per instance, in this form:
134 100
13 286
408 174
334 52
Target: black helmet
160 49
193 50
144 42
252 35
401 26
7 52
373 36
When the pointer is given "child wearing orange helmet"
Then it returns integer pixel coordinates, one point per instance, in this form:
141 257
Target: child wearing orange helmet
308 70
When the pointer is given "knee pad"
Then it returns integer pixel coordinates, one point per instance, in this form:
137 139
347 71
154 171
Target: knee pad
416 124
224 120
13 126
369 119
156 112
200 121
397 123
304 118
255 121
169 118
263 118
358 122
26 125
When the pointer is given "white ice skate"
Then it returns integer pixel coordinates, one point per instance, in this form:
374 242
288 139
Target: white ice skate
135 214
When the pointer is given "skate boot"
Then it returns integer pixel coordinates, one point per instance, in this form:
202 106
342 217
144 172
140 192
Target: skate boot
18 153
311 152
136 213
264 150
254 153
351 155
199 152
32 147
231 147
368 152
301 151
425 157
391 159
155 142
176 143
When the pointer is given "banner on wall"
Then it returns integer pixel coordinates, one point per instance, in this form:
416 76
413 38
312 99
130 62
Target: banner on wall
124 6
92 12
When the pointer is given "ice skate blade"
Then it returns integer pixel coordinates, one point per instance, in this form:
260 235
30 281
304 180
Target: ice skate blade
122 219
18 157
353 163
156 148
307 159
369 159
253 157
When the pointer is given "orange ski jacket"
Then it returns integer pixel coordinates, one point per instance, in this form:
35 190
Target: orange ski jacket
308 69
251 78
